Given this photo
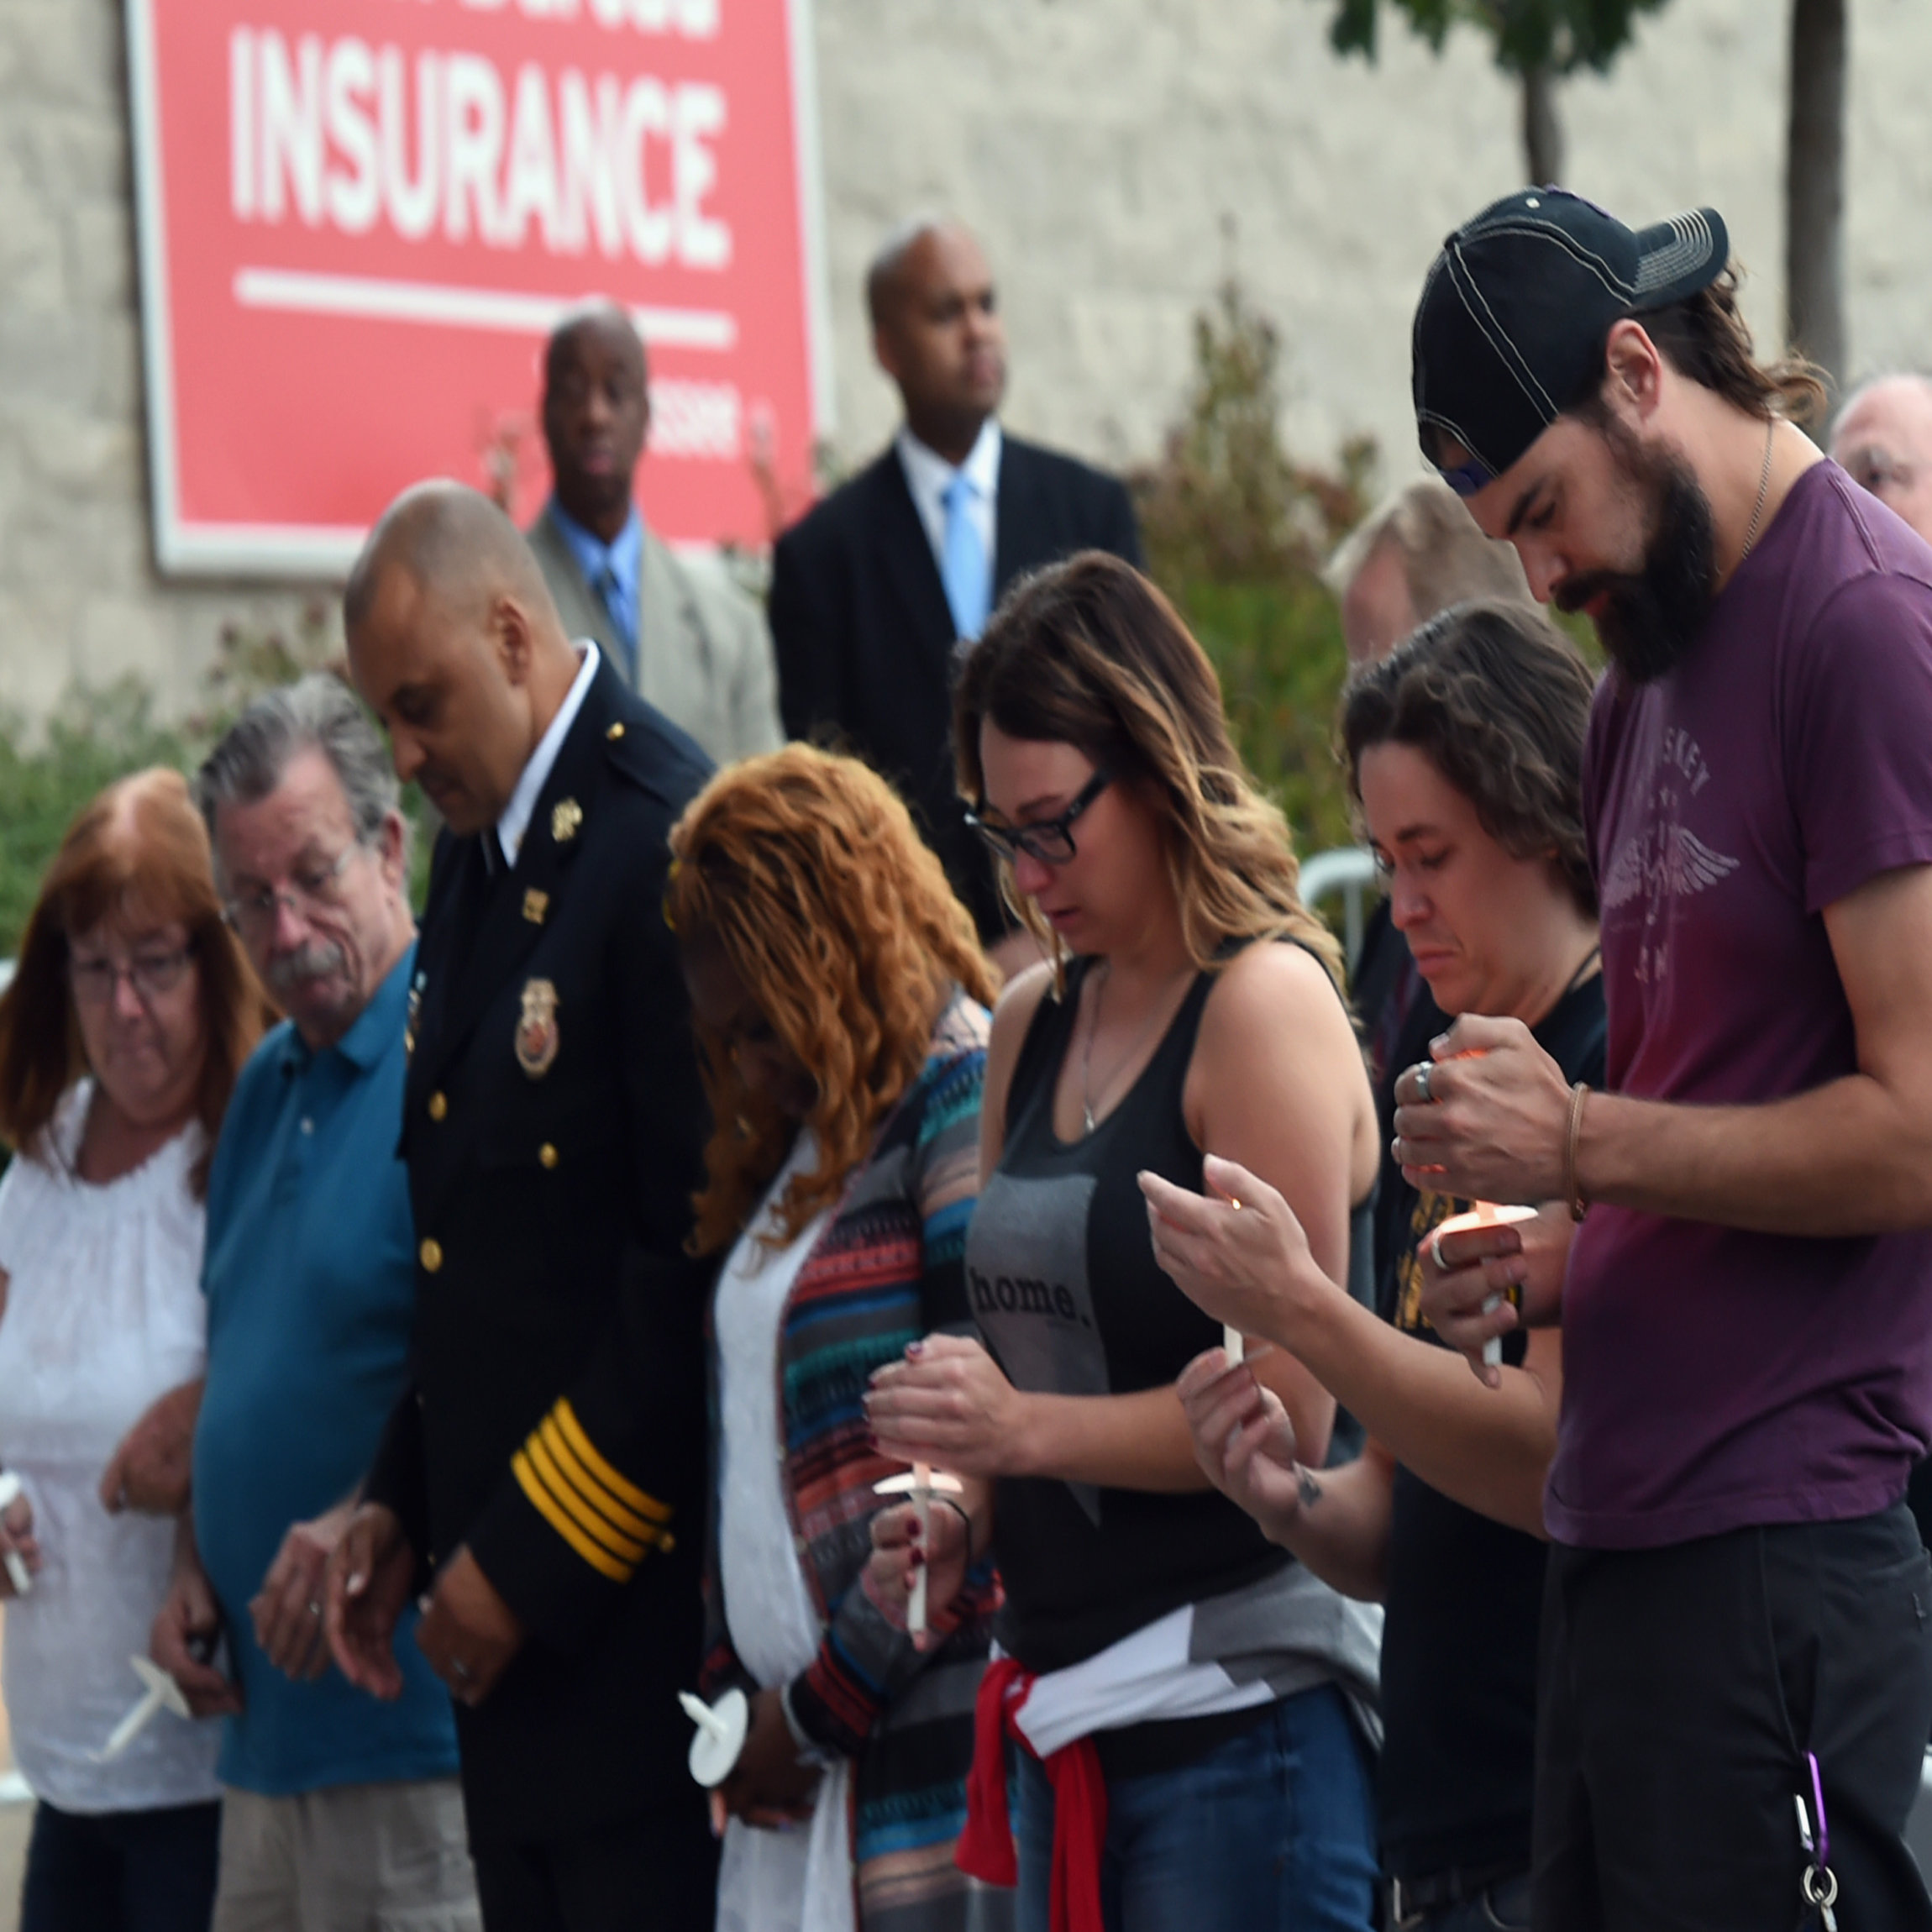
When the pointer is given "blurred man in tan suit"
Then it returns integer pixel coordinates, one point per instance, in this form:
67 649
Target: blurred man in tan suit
683 638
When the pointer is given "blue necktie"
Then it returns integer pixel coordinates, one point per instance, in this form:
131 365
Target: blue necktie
610 592
964 569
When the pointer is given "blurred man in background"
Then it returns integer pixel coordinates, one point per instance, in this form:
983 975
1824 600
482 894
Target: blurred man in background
1416 554
683 636
1883 438
871 591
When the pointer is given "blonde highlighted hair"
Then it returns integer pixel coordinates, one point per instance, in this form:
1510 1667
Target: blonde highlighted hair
805 868
1088 653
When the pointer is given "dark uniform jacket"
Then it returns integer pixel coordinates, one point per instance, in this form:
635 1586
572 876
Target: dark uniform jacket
554 1128
864 635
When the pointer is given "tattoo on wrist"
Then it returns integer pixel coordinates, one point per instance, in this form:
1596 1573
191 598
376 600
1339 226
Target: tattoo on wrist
1306 1484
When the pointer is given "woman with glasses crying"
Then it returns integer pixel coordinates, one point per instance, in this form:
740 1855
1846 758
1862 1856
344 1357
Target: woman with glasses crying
121 1033
1190 1709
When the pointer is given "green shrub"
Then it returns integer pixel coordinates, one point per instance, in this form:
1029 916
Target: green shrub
98 735
1237 531
92 739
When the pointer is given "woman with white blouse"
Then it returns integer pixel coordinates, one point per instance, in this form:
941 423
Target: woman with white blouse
121 1034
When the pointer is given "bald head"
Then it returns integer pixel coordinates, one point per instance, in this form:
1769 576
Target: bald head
456 644
1883 438
936 331
453 544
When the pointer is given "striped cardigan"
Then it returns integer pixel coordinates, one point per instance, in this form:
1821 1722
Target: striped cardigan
889 1267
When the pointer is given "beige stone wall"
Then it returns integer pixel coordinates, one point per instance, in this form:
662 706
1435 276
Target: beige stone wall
79 594
1105 149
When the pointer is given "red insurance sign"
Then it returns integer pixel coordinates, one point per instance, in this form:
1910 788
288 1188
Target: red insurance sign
359 218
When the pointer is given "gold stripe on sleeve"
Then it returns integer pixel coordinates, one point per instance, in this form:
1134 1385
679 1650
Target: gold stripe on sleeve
582 1510
620 1486
600 1560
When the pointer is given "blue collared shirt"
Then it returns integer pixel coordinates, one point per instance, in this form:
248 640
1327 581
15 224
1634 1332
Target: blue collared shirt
613 570
310 1276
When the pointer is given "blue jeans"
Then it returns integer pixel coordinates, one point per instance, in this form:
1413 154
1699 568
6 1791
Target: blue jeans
1273 1832
121 1871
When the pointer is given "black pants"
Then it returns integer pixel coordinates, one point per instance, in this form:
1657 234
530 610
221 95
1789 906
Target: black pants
657 1869
1680 1690
121 1871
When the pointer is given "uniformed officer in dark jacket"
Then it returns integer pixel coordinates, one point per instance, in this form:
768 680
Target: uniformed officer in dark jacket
543 1477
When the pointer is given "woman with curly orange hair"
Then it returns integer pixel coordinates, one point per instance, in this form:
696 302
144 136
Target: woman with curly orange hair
839 996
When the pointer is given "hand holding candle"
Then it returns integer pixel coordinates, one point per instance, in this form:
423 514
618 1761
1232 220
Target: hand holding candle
1484 1214
17 1571
923 1485
161 1694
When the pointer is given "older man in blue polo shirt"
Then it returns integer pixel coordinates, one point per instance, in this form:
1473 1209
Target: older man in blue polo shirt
338 1811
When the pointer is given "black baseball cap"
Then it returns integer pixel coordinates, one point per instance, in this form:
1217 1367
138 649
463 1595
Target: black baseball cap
1509 331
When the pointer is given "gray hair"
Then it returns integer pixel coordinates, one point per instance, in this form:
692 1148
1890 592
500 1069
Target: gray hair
1856 395
1446 558
318 713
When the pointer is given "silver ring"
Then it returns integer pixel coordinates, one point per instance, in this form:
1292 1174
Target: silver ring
1424 1070
1435 1251
461 1670
315 1609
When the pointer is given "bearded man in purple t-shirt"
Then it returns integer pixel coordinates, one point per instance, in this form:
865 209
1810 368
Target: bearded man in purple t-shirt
1737 1628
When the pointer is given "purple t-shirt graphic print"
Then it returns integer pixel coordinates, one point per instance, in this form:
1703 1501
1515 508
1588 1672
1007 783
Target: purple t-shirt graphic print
1714 1379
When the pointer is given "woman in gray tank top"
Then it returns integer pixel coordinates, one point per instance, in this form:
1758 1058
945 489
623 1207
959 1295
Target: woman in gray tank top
1192 1707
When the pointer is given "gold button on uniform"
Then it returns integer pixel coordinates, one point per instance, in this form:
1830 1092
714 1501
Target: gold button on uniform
438 1106
547 1155
616 731
430 1254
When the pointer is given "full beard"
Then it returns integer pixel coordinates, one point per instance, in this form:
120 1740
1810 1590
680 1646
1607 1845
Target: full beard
1650 617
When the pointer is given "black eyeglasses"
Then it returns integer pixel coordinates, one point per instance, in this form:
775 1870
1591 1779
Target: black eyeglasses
1048 840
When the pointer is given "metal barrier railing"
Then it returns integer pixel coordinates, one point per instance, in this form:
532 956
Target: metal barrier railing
1350 871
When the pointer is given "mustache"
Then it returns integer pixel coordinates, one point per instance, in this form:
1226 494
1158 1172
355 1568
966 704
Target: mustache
314 959
1575 592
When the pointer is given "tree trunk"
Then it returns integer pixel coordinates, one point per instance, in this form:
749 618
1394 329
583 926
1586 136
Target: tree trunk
1814 187
1543 131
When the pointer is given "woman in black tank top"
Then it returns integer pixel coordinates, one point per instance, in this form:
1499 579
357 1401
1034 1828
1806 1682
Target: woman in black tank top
1160 1648
1465 750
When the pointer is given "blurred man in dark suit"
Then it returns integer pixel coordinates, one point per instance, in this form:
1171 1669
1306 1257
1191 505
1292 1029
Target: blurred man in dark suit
871 591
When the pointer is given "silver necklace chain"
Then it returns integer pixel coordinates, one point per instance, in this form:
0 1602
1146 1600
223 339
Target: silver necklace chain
1763 488
1087 1055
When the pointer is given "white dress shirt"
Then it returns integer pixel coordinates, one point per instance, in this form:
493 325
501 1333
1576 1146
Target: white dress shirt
929 476
515 819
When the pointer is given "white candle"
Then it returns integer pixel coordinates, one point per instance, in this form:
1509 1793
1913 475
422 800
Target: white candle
1484 1214
163 1693
923 1485
922 1508
1231 1344
721 1735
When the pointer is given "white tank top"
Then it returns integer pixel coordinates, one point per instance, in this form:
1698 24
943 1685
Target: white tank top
103 1312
